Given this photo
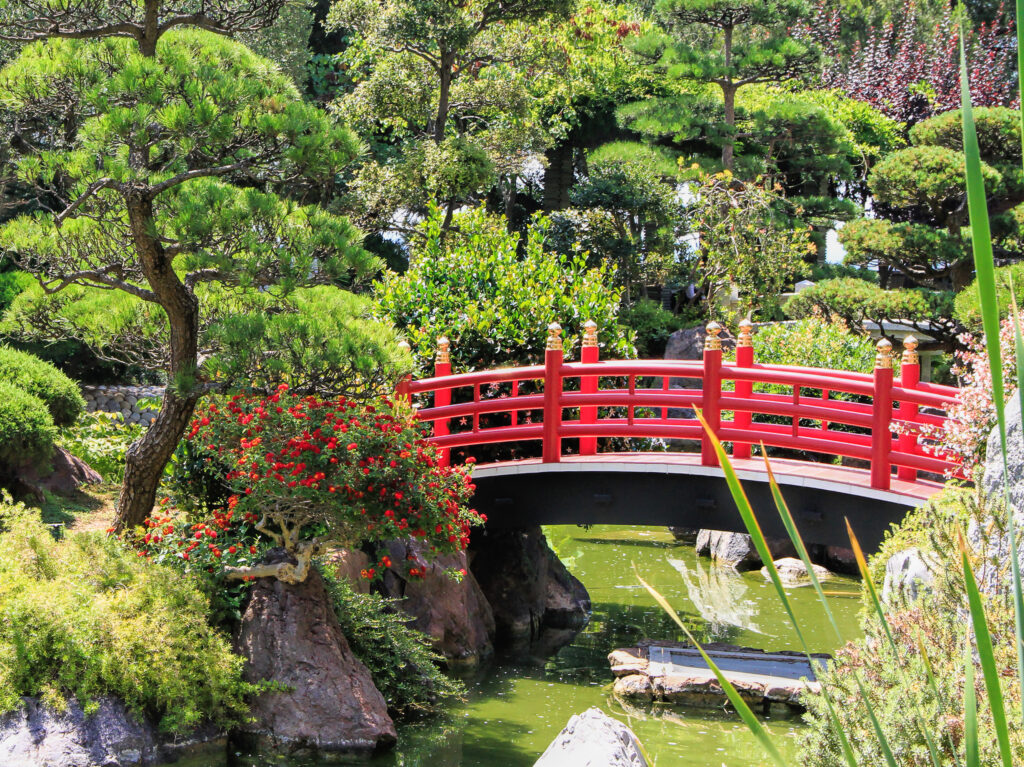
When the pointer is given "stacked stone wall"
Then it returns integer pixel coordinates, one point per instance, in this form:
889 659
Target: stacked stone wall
123 400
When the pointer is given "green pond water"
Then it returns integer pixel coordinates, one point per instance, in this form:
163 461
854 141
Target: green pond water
517 705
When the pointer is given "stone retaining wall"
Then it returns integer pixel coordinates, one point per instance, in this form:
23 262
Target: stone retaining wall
123 400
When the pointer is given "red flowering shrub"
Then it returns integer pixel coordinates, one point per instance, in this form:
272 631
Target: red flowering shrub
305 471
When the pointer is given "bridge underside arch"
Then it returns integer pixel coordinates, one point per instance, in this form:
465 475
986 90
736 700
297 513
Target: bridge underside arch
674 489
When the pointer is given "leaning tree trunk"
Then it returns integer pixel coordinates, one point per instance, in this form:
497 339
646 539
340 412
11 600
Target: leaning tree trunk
148 456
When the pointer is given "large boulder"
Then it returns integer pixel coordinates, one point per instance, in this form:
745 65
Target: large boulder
327 702
593 739
63 474
688 344
737 550
37 735
908 575
525 584
454 614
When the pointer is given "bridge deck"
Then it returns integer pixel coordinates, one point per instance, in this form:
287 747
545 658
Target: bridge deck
788 472
675 489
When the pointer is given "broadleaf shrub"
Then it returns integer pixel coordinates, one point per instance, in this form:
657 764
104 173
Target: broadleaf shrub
102 441
44 381
26 427
86 617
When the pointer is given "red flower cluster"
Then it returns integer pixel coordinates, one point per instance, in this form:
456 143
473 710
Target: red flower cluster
356 473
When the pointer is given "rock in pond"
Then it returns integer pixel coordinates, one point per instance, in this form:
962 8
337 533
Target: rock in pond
675 673
593 739
793 572
37 735
737 549
290 635
525 583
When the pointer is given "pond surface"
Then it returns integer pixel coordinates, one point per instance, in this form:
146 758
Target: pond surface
518 705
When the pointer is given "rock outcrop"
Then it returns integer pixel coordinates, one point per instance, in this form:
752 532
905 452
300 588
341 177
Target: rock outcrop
526 585
454 614
290 635
737 549
593 739
688 344
36 735
63 474
908 575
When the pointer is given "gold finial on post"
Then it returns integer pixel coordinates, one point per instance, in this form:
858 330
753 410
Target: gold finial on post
910 355
884 357
554 337
404 346
443 356
590 333
746 330
711 341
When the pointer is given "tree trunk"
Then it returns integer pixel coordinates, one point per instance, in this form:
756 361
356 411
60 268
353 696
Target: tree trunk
148 455
728 148
558 177
443 98
729 101
962 273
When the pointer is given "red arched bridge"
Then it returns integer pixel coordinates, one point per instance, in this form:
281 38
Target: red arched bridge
874 419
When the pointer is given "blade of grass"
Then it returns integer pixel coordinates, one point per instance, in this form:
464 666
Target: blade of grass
986 656
883 743
735 698
970 711
984 264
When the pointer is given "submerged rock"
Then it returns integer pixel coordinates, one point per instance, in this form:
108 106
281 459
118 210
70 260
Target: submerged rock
793 571
593 739
685 534
290 635
37 735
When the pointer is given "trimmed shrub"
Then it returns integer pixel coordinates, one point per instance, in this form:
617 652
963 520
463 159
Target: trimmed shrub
11 284
43 380
26 426
967 309
86 617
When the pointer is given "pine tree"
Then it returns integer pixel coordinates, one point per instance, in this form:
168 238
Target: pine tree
168 163
731 44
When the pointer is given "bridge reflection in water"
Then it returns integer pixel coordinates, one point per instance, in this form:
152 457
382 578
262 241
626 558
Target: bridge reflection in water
887 425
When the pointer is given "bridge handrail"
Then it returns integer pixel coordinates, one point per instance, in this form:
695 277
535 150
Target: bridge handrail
866 431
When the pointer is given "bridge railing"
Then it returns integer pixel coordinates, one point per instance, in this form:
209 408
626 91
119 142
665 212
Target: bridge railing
639 400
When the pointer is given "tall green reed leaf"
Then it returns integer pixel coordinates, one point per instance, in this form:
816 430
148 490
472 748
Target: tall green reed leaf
970 710
984 265
986 656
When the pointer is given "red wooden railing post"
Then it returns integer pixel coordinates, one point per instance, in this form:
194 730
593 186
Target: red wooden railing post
589 354
910 377
744 389
442 397
881 420
711 386
552 447
402 393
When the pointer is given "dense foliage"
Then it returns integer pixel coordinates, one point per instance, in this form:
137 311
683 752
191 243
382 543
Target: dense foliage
492 294
86 617
26 427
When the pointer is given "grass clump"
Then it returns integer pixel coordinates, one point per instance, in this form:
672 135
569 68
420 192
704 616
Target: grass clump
86 617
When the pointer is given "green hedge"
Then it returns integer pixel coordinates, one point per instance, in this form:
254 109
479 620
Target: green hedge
43 380
967 309
26 427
